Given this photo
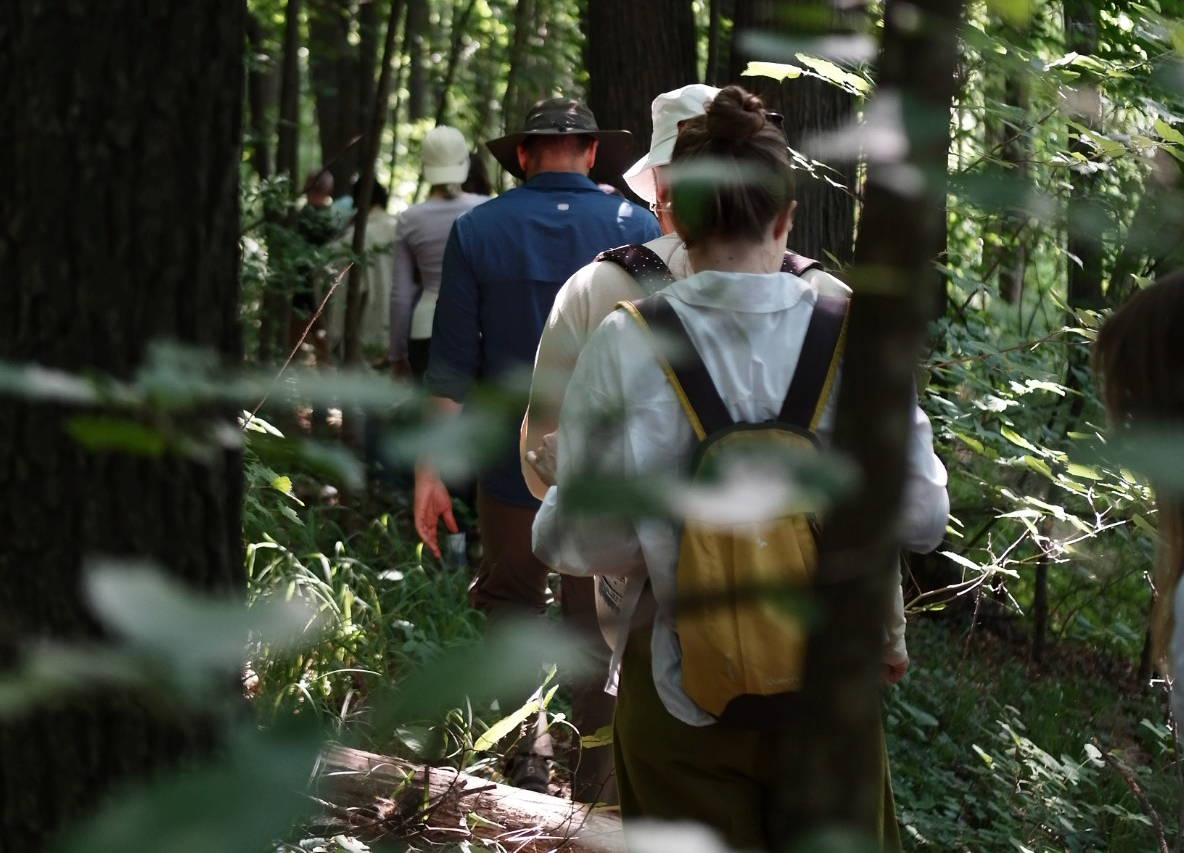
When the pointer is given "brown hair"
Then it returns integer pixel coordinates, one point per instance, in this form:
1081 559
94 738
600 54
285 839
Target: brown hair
730 173
1139 361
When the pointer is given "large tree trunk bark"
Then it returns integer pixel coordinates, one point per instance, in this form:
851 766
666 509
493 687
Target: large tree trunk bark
651 45
120 226
824 227
899 231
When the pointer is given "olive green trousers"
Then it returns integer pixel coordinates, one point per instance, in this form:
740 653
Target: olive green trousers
728 778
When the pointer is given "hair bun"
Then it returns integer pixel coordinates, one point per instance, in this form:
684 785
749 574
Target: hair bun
735 115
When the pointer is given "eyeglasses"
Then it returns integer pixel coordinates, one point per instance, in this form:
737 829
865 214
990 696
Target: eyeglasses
778 121
657 207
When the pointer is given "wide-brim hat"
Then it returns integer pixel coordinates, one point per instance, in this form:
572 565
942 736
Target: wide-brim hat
669 110
555 116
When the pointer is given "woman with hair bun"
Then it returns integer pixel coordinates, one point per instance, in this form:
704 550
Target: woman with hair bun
732 197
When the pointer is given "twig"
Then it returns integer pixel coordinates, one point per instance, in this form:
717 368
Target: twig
312 321
1122 771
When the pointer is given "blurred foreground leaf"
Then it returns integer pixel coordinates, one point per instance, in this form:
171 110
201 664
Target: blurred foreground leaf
240 802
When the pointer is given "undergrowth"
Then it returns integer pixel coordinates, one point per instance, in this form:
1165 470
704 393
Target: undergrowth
992 753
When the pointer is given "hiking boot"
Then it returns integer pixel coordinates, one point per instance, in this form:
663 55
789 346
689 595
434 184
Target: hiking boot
529 772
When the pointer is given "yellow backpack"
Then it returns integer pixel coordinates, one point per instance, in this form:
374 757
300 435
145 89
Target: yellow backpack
743 649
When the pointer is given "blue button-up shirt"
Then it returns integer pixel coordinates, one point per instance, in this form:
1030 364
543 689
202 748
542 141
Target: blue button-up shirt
504 262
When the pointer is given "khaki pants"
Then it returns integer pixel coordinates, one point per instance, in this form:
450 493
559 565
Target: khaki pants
512 581
719 775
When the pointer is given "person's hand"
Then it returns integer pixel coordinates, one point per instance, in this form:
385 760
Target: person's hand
400 368
894 672
432 503
542 460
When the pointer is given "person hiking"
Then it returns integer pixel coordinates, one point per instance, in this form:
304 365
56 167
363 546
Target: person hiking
504 261
731 188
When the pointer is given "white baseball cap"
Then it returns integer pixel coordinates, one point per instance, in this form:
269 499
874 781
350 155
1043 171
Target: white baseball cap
668 110
445 156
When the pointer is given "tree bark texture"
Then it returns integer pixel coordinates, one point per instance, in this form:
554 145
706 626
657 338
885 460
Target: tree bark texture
899 231
379 794
634 52
118 226
416 46
824 226
1084 219
275 316
335 70
369 159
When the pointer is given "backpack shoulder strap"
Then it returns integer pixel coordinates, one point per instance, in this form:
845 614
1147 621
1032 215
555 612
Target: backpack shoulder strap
641 262
688 376
798 264
817 362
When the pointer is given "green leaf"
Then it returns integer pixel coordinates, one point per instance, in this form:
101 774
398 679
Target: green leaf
832 73
777 70
1167 132
99 432
494 734
603 736
247 798
1015 438
1015 12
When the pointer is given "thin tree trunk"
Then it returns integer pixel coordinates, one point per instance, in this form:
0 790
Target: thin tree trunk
838 781
108 115
370 146
460 20
524 22
257 86
711 72
414 40
275 313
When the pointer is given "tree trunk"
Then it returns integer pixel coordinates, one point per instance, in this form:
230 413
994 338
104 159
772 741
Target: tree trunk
276 310
460 20
824 227
335 71
120 226
651 45
839 782
416 46
258 100
370 146
1084 237
437 802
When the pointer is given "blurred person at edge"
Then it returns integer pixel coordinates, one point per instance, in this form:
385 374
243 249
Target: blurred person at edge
1139 360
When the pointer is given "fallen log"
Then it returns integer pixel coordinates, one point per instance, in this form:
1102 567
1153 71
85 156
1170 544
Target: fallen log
381 795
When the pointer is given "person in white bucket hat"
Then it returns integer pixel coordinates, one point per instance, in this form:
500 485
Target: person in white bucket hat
669 110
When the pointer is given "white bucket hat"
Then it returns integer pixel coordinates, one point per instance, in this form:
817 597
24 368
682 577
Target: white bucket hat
445 156
668 110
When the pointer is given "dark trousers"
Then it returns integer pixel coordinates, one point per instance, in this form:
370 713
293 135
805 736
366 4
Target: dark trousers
512 581
728 778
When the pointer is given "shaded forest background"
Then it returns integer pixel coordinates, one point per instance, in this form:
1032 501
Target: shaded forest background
1053 185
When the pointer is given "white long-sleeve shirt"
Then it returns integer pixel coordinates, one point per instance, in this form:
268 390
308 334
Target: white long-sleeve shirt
621 418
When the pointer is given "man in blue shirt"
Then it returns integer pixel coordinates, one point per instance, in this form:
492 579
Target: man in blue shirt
504 262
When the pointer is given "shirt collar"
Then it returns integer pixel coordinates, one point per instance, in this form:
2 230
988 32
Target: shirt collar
561 181
757 293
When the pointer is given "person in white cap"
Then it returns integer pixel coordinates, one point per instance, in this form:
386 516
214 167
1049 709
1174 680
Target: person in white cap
419 248
584 300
